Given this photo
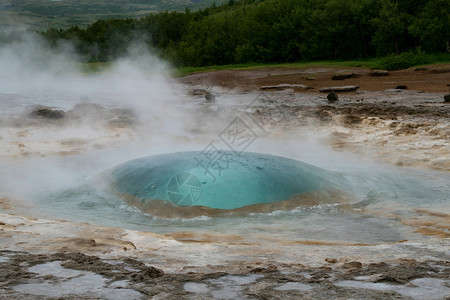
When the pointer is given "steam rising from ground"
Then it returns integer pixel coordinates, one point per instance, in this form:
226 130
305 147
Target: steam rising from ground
28 59
60 127
32 74
29 63
134 109
41 154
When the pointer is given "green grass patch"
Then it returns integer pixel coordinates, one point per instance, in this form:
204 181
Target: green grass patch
440 58
369 63
393 62
374 63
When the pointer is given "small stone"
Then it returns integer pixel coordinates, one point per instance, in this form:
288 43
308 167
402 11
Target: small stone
347 88
332 97
379 73
401 87
331 260
344 75
447 98
147 273
257 270
352 265
393 91
210 97
263 270
284 86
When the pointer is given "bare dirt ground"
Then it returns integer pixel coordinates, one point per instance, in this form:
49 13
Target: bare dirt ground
434 79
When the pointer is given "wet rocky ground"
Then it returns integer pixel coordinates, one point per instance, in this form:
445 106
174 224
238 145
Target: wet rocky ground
399 117
404 127
79 276
399 127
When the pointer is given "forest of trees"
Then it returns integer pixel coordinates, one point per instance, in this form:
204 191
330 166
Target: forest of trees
254 31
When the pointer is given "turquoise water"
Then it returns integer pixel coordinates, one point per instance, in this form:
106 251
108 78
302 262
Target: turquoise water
395 191
227 181
63 187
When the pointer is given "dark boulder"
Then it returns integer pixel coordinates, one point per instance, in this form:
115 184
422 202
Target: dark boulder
332 97
210 97
447 98
47 113
401 87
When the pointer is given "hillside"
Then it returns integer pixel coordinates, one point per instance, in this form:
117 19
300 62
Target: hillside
65 13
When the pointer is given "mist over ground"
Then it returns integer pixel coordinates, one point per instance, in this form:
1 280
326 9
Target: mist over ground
133 108
64 130
134 95
62 126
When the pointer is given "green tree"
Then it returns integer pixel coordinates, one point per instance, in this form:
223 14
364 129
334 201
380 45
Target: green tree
432 26
391 28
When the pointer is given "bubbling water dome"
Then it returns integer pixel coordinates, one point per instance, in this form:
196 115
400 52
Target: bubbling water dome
219 181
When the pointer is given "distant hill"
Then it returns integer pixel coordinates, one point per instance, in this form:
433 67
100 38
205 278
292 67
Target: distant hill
41 14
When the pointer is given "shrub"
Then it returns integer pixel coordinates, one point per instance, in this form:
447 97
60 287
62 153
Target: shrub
405 60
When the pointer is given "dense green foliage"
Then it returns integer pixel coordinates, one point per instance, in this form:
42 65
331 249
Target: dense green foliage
274 31
405 60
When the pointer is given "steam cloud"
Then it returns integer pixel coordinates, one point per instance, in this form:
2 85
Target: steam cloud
42 155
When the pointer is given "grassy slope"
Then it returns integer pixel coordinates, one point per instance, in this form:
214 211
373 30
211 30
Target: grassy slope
373 63
366 63
370 63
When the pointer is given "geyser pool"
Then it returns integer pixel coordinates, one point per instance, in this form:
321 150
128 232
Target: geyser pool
222 180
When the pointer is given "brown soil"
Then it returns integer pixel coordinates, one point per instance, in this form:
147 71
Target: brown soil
431 80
